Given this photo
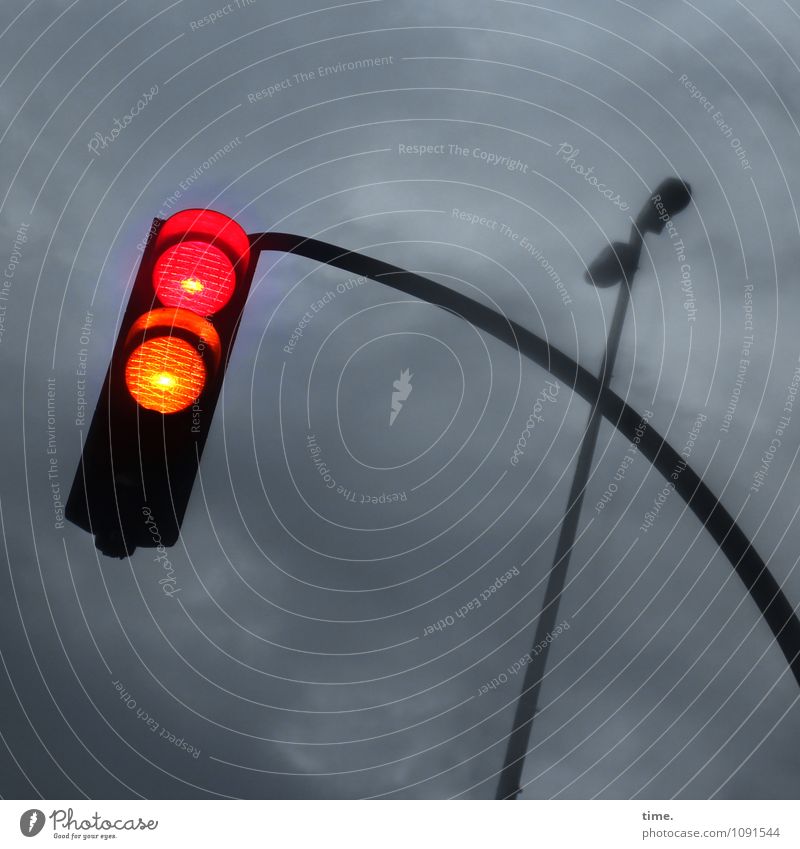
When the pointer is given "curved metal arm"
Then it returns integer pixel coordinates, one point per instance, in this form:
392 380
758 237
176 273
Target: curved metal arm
748 565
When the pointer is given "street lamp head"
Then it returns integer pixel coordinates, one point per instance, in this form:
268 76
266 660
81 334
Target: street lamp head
672 196
616 262
619 260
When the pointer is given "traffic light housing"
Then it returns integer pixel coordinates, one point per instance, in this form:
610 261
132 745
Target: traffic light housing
154 413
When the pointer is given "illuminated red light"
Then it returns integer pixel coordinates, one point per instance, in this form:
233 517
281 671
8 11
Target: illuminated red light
194 275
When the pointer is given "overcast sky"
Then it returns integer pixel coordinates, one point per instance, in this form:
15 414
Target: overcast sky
453 139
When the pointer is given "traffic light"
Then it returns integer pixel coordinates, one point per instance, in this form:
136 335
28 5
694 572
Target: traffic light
152 419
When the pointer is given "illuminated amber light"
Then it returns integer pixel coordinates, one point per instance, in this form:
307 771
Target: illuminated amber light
165 374
166 321
197 276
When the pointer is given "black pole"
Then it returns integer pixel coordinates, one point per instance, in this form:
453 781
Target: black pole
509 785
616 265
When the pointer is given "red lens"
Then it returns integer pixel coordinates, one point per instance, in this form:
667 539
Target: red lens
197 276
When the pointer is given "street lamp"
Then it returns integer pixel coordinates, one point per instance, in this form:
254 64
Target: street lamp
617 264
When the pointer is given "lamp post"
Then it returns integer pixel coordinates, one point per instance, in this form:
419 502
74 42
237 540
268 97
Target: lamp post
616 264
